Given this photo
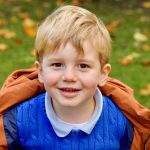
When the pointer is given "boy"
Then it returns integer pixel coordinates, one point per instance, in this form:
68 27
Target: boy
72 61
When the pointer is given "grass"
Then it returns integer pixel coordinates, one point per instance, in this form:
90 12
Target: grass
19 55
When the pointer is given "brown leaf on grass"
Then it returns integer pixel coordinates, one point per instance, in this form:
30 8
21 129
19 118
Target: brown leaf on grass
146 91
29 27
147 33
3 47
18 41
146 4
127 60
114 25
7 33
146 63
143 47
23 15
1 14
3 22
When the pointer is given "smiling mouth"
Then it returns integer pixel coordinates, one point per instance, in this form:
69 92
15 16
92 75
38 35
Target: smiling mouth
69 90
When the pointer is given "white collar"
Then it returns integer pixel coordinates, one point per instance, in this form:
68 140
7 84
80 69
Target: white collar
62 128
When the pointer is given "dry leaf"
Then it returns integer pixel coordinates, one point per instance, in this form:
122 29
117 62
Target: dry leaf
18 42
144 47
46 4
147 33
146 63
1 14
7 33
29 27
33 52
144 18
23 15
16 9
3 47
146 4
114 25
146 91
127 60
3 23
139 37
129 12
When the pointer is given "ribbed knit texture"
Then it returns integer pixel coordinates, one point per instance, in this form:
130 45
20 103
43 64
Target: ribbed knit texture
35 130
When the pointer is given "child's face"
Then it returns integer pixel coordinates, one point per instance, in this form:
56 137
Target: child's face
69 78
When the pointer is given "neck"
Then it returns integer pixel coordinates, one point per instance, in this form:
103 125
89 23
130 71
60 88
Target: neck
75 115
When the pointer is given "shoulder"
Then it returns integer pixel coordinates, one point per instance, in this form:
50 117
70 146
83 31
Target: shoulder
12 116
114 112
116 117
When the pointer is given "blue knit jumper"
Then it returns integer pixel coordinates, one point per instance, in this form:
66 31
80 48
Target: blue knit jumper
35 131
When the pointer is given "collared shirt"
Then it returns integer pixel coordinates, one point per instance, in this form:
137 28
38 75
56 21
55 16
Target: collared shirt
62 128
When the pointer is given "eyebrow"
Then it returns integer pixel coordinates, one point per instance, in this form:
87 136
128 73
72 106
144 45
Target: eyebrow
54 59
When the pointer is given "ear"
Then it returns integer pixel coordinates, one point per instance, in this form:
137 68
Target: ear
39 68
104 74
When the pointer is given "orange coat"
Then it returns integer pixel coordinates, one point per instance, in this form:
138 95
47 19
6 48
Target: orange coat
23 84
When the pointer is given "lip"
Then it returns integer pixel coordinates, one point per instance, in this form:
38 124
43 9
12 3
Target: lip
69 92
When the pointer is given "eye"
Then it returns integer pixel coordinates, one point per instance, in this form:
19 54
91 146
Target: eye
57 65
83 66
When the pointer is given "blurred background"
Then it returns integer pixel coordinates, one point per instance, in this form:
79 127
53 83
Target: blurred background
128 22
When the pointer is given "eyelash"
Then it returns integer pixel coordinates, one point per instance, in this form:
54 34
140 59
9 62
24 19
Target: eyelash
84 66
57 65
81 66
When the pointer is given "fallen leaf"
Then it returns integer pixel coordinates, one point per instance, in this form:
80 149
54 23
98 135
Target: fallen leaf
143 47
114 25
144 19
146 91
33 52
29 27
147 33
16 9
3 22
23 15
1 14
146 4
7 33
3 47
146 63
18 42
46 4
139 37
127 60
129 12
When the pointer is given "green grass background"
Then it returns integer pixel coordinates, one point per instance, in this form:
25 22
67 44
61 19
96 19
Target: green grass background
19 56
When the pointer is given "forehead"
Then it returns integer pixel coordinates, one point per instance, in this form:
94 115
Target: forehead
87 50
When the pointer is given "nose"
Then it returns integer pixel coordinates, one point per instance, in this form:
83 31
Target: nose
69 75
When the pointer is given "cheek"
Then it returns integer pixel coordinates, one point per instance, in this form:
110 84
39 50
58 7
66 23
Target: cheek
50 78
90 80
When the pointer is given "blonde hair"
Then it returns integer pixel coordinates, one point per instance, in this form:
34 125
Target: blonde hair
73 24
